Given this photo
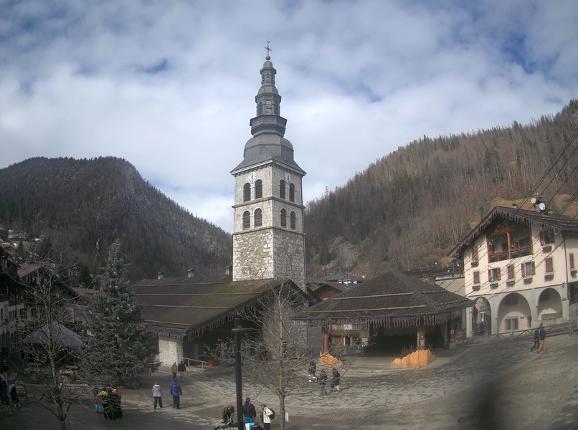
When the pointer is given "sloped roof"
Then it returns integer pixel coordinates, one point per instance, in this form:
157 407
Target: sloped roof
63 336
181 304
556 223
391 299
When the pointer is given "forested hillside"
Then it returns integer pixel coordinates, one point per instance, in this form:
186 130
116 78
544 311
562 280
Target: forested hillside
411 207
80 207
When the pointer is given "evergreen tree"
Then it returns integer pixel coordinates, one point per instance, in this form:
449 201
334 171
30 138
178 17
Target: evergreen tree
118 347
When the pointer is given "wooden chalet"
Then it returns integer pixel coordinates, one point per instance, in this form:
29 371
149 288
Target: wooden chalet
11 302
189 315
388 313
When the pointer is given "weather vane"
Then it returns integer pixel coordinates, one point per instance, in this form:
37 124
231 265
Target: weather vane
268 50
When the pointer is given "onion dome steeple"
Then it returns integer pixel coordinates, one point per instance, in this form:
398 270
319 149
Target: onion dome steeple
268 126
268 119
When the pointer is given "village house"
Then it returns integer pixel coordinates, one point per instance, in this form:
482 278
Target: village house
11 302
520 269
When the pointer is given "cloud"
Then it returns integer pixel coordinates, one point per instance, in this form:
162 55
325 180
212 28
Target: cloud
170 86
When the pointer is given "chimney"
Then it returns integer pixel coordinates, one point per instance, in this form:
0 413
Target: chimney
190 273
160 275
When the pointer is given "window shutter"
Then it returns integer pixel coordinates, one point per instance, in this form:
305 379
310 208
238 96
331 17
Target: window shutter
542 238
511 271
499 277
571 261
549 265
533 268
489 275
476 277
523 267
475 254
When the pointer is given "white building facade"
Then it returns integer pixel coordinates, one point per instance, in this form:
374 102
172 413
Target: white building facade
520 270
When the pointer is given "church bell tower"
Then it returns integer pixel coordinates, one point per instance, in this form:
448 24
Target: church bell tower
268 239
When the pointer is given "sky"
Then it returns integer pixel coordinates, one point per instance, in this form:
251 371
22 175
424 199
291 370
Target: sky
170 85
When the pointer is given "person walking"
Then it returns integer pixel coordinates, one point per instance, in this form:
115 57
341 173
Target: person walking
335 379
322 382
182 369
157 396
542 341
312 371
174 369
249 413
536 340
176 392
268 414
14 395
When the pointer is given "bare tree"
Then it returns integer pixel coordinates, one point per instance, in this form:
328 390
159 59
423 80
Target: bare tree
277 355
50 347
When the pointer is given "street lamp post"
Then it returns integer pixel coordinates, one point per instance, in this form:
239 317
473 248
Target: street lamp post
237 331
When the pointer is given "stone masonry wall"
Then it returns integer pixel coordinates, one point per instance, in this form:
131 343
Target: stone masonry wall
289 251
253 255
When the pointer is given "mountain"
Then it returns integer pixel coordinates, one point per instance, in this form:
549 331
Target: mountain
80 207
408 209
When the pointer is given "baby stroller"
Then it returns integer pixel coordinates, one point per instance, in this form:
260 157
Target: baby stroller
228 417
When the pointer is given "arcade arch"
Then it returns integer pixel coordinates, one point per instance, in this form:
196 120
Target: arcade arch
549 305
514 313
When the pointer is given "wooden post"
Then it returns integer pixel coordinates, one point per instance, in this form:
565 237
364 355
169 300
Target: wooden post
420 338
325 347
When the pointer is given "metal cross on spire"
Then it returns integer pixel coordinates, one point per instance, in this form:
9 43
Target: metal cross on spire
268 50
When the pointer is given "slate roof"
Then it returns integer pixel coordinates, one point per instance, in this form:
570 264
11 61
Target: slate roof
556 223
181 305
64 337
392 300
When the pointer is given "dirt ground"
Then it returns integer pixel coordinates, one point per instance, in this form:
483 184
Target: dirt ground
494 385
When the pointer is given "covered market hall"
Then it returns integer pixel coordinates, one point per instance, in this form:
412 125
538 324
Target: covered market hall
391 314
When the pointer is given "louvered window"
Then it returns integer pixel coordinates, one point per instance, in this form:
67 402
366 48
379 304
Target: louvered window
258 218
283 218
291 192
246 220
282 189
258 189
292 220
246 192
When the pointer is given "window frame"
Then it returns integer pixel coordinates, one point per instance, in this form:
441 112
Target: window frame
292 220
495 274
246 220
247 192
476 277
549 264
258 217
283 215
292 192
258 189
524 266
282 190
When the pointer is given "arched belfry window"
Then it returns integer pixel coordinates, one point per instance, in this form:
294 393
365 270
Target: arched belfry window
283 218
282 189
258 218
292 220
246 220
246 192
291 192
258 189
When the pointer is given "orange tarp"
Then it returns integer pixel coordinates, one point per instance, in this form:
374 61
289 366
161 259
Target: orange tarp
326 358
419 358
